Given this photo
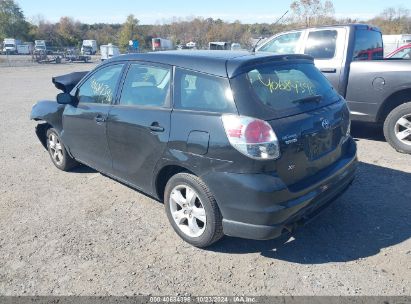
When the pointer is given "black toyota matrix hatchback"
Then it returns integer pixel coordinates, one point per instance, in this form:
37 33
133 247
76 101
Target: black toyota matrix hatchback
234 143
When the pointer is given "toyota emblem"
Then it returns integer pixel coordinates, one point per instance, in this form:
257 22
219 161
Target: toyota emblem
326 124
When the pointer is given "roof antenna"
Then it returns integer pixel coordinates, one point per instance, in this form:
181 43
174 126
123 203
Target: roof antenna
255 45
261 38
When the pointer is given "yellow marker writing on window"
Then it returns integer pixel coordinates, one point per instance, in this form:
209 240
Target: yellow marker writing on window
299 87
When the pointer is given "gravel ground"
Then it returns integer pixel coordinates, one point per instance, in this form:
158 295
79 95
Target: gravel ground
81 233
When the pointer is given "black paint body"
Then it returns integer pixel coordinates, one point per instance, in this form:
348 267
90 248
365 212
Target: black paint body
258 199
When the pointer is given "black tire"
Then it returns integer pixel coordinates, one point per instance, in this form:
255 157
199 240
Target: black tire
390 127
214 227
63 161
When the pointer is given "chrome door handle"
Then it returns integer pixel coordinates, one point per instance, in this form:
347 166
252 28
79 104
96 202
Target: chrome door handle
100 119
328 70
155 127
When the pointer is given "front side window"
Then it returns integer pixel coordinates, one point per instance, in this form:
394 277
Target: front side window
321 44
284 44
101 86
368 45
201 92
146 86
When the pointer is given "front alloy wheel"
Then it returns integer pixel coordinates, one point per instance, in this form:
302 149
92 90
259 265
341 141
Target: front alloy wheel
58 154
55 148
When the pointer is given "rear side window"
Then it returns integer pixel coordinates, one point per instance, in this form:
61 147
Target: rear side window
368 45
201 92
321 44
146 86
283 44
285 88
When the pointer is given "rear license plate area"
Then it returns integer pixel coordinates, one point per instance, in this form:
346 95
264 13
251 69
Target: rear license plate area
320 143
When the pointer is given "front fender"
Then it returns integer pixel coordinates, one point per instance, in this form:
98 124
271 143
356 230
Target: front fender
50 112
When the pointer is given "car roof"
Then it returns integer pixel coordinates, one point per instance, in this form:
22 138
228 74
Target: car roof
219 63
358 26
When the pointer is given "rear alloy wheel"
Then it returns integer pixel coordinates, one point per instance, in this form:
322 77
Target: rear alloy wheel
58 154
192 210
397 128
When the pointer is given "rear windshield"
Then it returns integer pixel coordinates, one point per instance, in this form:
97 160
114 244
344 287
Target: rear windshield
368 45
287 88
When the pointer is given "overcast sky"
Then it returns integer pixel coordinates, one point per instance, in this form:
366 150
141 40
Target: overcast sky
160 11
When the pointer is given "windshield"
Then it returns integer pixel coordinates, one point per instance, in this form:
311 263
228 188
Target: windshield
9 45
287 89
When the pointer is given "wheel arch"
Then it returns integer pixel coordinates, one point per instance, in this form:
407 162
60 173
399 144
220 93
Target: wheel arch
391 102
163 176
41 132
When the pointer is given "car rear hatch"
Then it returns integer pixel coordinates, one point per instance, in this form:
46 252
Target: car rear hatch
310 142
309 118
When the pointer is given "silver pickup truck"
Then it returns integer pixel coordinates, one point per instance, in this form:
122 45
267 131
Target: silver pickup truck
377 90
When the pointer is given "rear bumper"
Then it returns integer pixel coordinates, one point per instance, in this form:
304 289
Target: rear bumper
261 206
311 205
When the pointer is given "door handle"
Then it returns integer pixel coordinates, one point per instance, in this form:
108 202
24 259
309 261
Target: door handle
155 127
100 119
328 70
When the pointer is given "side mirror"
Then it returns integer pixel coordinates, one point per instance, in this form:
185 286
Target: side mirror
65 98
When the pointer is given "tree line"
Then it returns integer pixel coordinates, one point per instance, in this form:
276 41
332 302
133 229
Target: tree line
70 32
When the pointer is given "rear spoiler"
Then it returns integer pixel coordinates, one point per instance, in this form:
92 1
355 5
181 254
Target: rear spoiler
67 82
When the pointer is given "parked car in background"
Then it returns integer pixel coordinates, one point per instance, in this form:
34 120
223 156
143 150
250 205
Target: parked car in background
219 45
351 57
40 47
236 47
109 51
233 143
10 45
161 44
403 52
89 47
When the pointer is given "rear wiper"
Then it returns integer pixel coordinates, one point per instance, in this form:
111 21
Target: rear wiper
314 98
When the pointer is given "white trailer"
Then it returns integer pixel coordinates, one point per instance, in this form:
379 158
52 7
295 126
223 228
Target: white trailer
10 45
24 49
89 47
108 51
161 44
393 42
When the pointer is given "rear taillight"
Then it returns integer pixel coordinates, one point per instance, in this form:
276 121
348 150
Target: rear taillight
252 137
